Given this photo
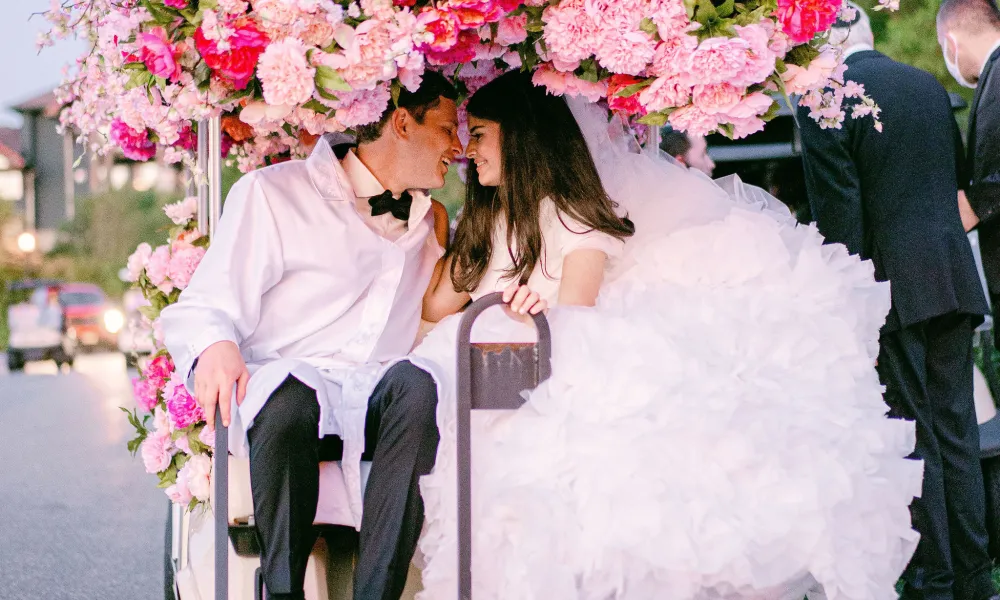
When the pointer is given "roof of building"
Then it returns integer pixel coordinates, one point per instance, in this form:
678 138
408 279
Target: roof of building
46 104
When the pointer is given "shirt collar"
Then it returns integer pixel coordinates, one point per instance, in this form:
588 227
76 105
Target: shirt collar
854 49
330 175
986 61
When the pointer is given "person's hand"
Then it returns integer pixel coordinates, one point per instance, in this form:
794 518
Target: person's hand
522 301
220 366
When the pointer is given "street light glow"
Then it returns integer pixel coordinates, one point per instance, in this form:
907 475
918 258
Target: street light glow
26 242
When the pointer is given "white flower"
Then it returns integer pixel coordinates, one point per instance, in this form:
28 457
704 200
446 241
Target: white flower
182 212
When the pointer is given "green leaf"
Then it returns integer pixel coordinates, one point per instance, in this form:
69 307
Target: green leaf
656 119
193 504
150 312
168 477
726 129
588 71
726 8
208 4
396 89
650 27
316 106
772 112
635 88
705 12
330 80
801 55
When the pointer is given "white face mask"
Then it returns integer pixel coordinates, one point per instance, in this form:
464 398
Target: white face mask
953 65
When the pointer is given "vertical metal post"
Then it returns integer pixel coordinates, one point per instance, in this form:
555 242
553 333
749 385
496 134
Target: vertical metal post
201 177
212 158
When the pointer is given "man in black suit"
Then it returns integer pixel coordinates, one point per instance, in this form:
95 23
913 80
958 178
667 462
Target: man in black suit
892 197
969 34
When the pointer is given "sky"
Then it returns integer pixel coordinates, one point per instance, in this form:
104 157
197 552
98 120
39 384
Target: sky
24 72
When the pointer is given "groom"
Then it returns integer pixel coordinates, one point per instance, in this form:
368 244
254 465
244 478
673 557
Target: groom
314 280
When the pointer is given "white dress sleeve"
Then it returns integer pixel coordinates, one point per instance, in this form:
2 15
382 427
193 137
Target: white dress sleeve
573 235
222 301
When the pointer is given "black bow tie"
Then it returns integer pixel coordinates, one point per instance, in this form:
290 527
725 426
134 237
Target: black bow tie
385 203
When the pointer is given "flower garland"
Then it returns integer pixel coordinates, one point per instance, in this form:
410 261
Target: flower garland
281 72
171 436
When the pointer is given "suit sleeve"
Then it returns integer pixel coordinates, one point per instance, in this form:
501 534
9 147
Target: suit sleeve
832 183
984 191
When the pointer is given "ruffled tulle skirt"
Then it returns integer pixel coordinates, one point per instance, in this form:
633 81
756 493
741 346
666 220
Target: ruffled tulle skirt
713 429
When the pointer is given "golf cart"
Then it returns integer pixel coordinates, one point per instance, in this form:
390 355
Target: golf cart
37 321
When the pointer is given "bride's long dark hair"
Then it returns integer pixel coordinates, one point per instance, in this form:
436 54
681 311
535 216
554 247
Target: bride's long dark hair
543 154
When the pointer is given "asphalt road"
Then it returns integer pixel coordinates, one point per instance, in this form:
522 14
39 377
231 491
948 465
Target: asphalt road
79 517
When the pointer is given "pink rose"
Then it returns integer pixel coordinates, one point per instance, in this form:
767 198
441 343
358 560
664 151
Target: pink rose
665 92
237 64
159 370
694 120
182 265
157 266
137 262
135 145
181 406
145 393
155 451
197 472
157 53
179 492
801 20
717 98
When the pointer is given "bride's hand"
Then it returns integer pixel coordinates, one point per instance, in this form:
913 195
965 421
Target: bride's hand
522 301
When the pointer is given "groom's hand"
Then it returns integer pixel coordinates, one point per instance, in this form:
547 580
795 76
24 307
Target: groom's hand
220 367
523 301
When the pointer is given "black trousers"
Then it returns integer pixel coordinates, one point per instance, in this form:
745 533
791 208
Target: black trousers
927 370
401 440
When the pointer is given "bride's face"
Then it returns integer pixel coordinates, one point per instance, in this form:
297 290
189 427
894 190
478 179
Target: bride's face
484 149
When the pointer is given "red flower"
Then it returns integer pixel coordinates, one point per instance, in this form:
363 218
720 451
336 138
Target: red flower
626 105
801 20
237 64
475 13
462 52
404 2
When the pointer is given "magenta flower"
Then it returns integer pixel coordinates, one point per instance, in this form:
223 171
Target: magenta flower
181 406
157 53
159 370
178 4
237 64
135 145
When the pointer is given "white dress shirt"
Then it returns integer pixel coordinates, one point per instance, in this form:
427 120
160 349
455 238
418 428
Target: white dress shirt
307 282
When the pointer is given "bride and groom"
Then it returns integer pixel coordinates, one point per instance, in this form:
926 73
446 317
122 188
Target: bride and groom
713 427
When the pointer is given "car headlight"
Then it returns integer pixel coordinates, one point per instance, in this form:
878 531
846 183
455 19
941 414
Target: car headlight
114 320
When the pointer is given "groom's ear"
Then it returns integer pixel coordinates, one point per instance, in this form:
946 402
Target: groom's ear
401 123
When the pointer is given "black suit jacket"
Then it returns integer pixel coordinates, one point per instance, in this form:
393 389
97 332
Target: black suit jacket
981 179
892 197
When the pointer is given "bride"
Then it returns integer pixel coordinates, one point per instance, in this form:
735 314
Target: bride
713 426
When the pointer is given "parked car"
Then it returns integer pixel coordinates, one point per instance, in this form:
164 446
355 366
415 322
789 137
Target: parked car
89 317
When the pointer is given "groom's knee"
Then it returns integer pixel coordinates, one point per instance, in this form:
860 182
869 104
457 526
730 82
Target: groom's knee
413 394
291 413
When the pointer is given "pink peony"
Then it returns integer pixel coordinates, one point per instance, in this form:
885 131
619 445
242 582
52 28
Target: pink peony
559 83
158 54
159 370
285 73
570 33
753 105
137 262
235 65
181 406
625 52
183 263
156 268
665 92
512 30
441 29
800 80
629 105
801 20
179 4
135 145
197 472
717 98
145 393
207 436
156 452
360 108
718 59
745 127
672 56
694 120
760 57
179 492
183 444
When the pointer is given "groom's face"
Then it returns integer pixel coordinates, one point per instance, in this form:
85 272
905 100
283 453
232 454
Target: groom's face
432 145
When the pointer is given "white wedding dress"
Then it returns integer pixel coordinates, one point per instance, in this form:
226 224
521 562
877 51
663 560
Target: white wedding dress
713 428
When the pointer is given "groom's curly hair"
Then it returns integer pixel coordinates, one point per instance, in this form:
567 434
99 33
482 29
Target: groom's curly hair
433 87
543 155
